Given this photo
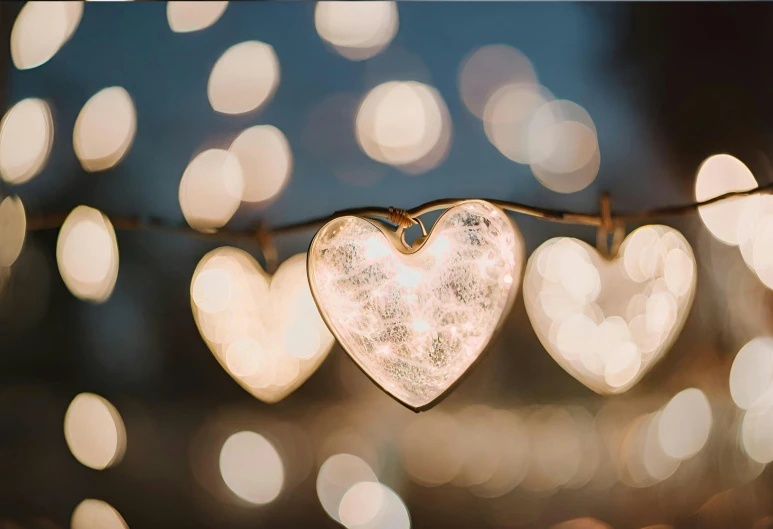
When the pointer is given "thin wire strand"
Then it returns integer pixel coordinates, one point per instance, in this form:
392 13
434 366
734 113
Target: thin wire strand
135 223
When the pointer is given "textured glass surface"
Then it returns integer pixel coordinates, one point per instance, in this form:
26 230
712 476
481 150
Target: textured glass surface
607 322
415 323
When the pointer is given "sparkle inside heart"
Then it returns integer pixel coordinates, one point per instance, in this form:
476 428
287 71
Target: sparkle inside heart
608 321
265 331
415 322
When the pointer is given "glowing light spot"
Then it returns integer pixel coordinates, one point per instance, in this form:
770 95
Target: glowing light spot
577 334
678 272
243 78
211 189
420 326
302 339
361 504
185 17
440 247
94 431
13 229
211 290
757 429
659 465
336 476
488 69
762 255
623 365
26 136
562 146
408 277
40 31
508 115
87 254
402 123
752 373
684 424
376 248
718 175
357 30
635 248
266 161
105 129
243 356
96 514
373 505
252 468
661 312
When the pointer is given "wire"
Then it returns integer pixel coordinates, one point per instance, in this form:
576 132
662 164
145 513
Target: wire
135 223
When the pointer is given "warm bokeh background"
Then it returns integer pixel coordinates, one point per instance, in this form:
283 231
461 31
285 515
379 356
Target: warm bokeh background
520 443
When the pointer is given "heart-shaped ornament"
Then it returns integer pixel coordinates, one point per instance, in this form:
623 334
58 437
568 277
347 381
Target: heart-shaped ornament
265 331
608 321
416 319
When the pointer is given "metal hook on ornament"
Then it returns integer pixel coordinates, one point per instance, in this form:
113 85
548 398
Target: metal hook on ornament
609 224
403 220
267 248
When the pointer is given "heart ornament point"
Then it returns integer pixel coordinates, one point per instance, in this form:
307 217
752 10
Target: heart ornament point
416 320
608 321
265 331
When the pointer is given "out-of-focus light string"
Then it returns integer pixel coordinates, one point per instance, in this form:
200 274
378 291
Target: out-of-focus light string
48 221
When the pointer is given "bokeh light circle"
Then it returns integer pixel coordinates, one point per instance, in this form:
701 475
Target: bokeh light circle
357 30
105 129
26 137
243 78
266 160
336 476
684 424
752 373
13 229
185 17
718 175
87 254
94 431
96 514
41 29
488 69
252 468
401 122
211 189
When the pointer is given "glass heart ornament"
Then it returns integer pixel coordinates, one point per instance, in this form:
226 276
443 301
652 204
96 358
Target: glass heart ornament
416 319
265 331
608 321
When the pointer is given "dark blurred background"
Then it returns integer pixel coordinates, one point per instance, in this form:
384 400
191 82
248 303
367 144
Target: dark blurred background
667 85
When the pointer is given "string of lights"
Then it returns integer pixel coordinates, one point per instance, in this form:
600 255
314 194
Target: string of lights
47 221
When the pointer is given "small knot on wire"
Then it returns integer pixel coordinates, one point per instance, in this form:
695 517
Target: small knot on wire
400 218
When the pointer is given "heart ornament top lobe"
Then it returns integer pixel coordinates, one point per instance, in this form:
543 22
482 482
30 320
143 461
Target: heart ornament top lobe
415 320
265 331
607 322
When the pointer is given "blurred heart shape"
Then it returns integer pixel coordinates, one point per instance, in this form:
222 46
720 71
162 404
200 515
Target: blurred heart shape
415 320
607 322
265 331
